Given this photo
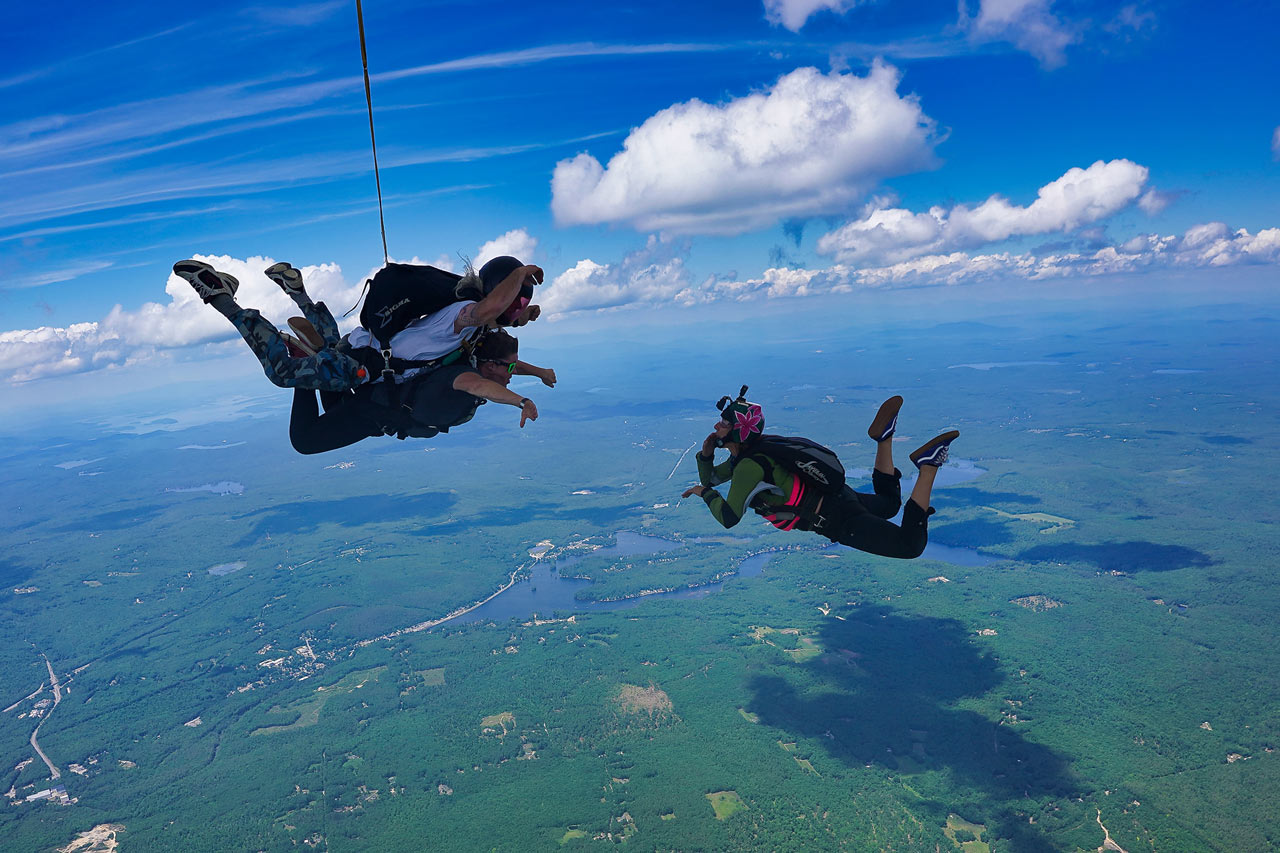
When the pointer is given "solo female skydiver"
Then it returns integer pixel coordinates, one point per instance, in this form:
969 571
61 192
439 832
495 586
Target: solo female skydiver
761 483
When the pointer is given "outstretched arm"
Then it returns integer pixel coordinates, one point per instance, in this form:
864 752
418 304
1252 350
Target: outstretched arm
477 386
546 374
491 307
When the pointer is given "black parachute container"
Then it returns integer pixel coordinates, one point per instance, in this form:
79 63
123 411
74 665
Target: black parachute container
401 293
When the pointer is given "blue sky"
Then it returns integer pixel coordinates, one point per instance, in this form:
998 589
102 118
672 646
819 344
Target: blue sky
645 154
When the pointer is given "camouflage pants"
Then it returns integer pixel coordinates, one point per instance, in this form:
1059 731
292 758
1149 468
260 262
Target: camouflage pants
327 370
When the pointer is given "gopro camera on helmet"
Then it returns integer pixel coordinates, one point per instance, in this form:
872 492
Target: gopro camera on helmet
746 420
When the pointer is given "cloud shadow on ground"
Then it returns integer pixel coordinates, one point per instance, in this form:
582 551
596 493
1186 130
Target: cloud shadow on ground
1121 556
306 516
883 694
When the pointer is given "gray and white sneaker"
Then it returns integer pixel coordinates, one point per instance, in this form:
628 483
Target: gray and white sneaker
283 274
207 281
934 451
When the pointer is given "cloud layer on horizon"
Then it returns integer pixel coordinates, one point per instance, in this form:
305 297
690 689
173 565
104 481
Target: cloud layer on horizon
1208 245
653 275
811 144
125 337
1080 197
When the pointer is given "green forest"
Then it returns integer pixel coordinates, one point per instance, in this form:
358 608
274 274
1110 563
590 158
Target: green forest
1093 658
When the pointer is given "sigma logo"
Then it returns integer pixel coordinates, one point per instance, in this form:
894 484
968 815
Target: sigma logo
384 314
811 470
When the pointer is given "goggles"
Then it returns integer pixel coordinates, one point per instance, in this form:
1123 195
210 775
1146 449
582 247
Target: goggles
510 365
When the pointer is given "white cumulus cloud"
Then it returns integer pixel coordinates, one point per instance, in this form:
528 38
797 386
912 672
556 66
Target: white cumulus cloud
811 144
126 336
518 243
130 335
1028 25
1208 245
1079 197
645 276
792 14
1275 144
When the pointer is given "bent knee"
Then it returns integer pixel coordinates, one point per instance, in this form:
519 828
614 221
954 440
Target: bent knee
301 445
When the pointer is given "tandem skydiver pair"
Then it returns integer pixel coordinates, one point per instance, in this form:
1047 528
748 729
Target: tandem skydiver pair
425 368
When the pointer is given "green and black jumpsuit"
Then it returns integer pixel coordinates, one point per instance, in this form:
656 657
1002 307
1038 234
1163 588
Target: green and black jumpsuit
770 489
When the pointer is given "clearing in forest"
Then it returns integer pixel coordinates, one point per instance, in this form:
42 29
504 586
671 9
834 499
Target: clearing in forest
748 716
804 762
432 677
726 803
308 709
804 648
100 839
570 834
1038 603
967 836
498 721
633 699
1056 522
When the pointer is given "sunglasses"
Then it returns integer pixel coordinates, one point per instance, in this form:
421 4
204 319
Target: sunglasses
511 365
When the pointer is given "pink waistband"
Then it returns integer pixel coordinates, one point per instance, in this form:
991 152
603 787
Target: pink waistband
793 500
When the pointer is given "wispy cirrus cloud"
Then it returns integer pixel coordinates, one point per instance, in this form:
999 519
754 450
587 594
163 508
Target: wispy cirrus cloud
55 276
60 136
291 17
135 219
84 149
62 66
203 180
548 53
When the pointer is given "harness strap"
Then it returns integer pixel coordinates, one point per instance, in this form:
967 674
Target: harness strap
787 515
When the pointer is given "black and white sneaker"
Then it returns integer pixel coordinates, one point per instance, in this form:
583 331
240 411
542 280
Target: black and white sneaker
283 274
207 281
934 451
886 420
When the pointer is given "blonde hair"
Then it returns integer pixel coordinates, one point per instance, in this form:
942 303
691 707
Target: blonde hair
469 286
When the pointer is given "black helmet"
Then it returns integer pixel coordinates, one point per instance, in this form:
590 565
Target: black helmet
745 419
477 285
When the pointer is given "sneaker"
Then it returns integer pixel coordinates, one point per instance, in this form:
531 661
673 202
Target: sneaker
302 327
934 451
283 274
886 420
207 281
297 348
